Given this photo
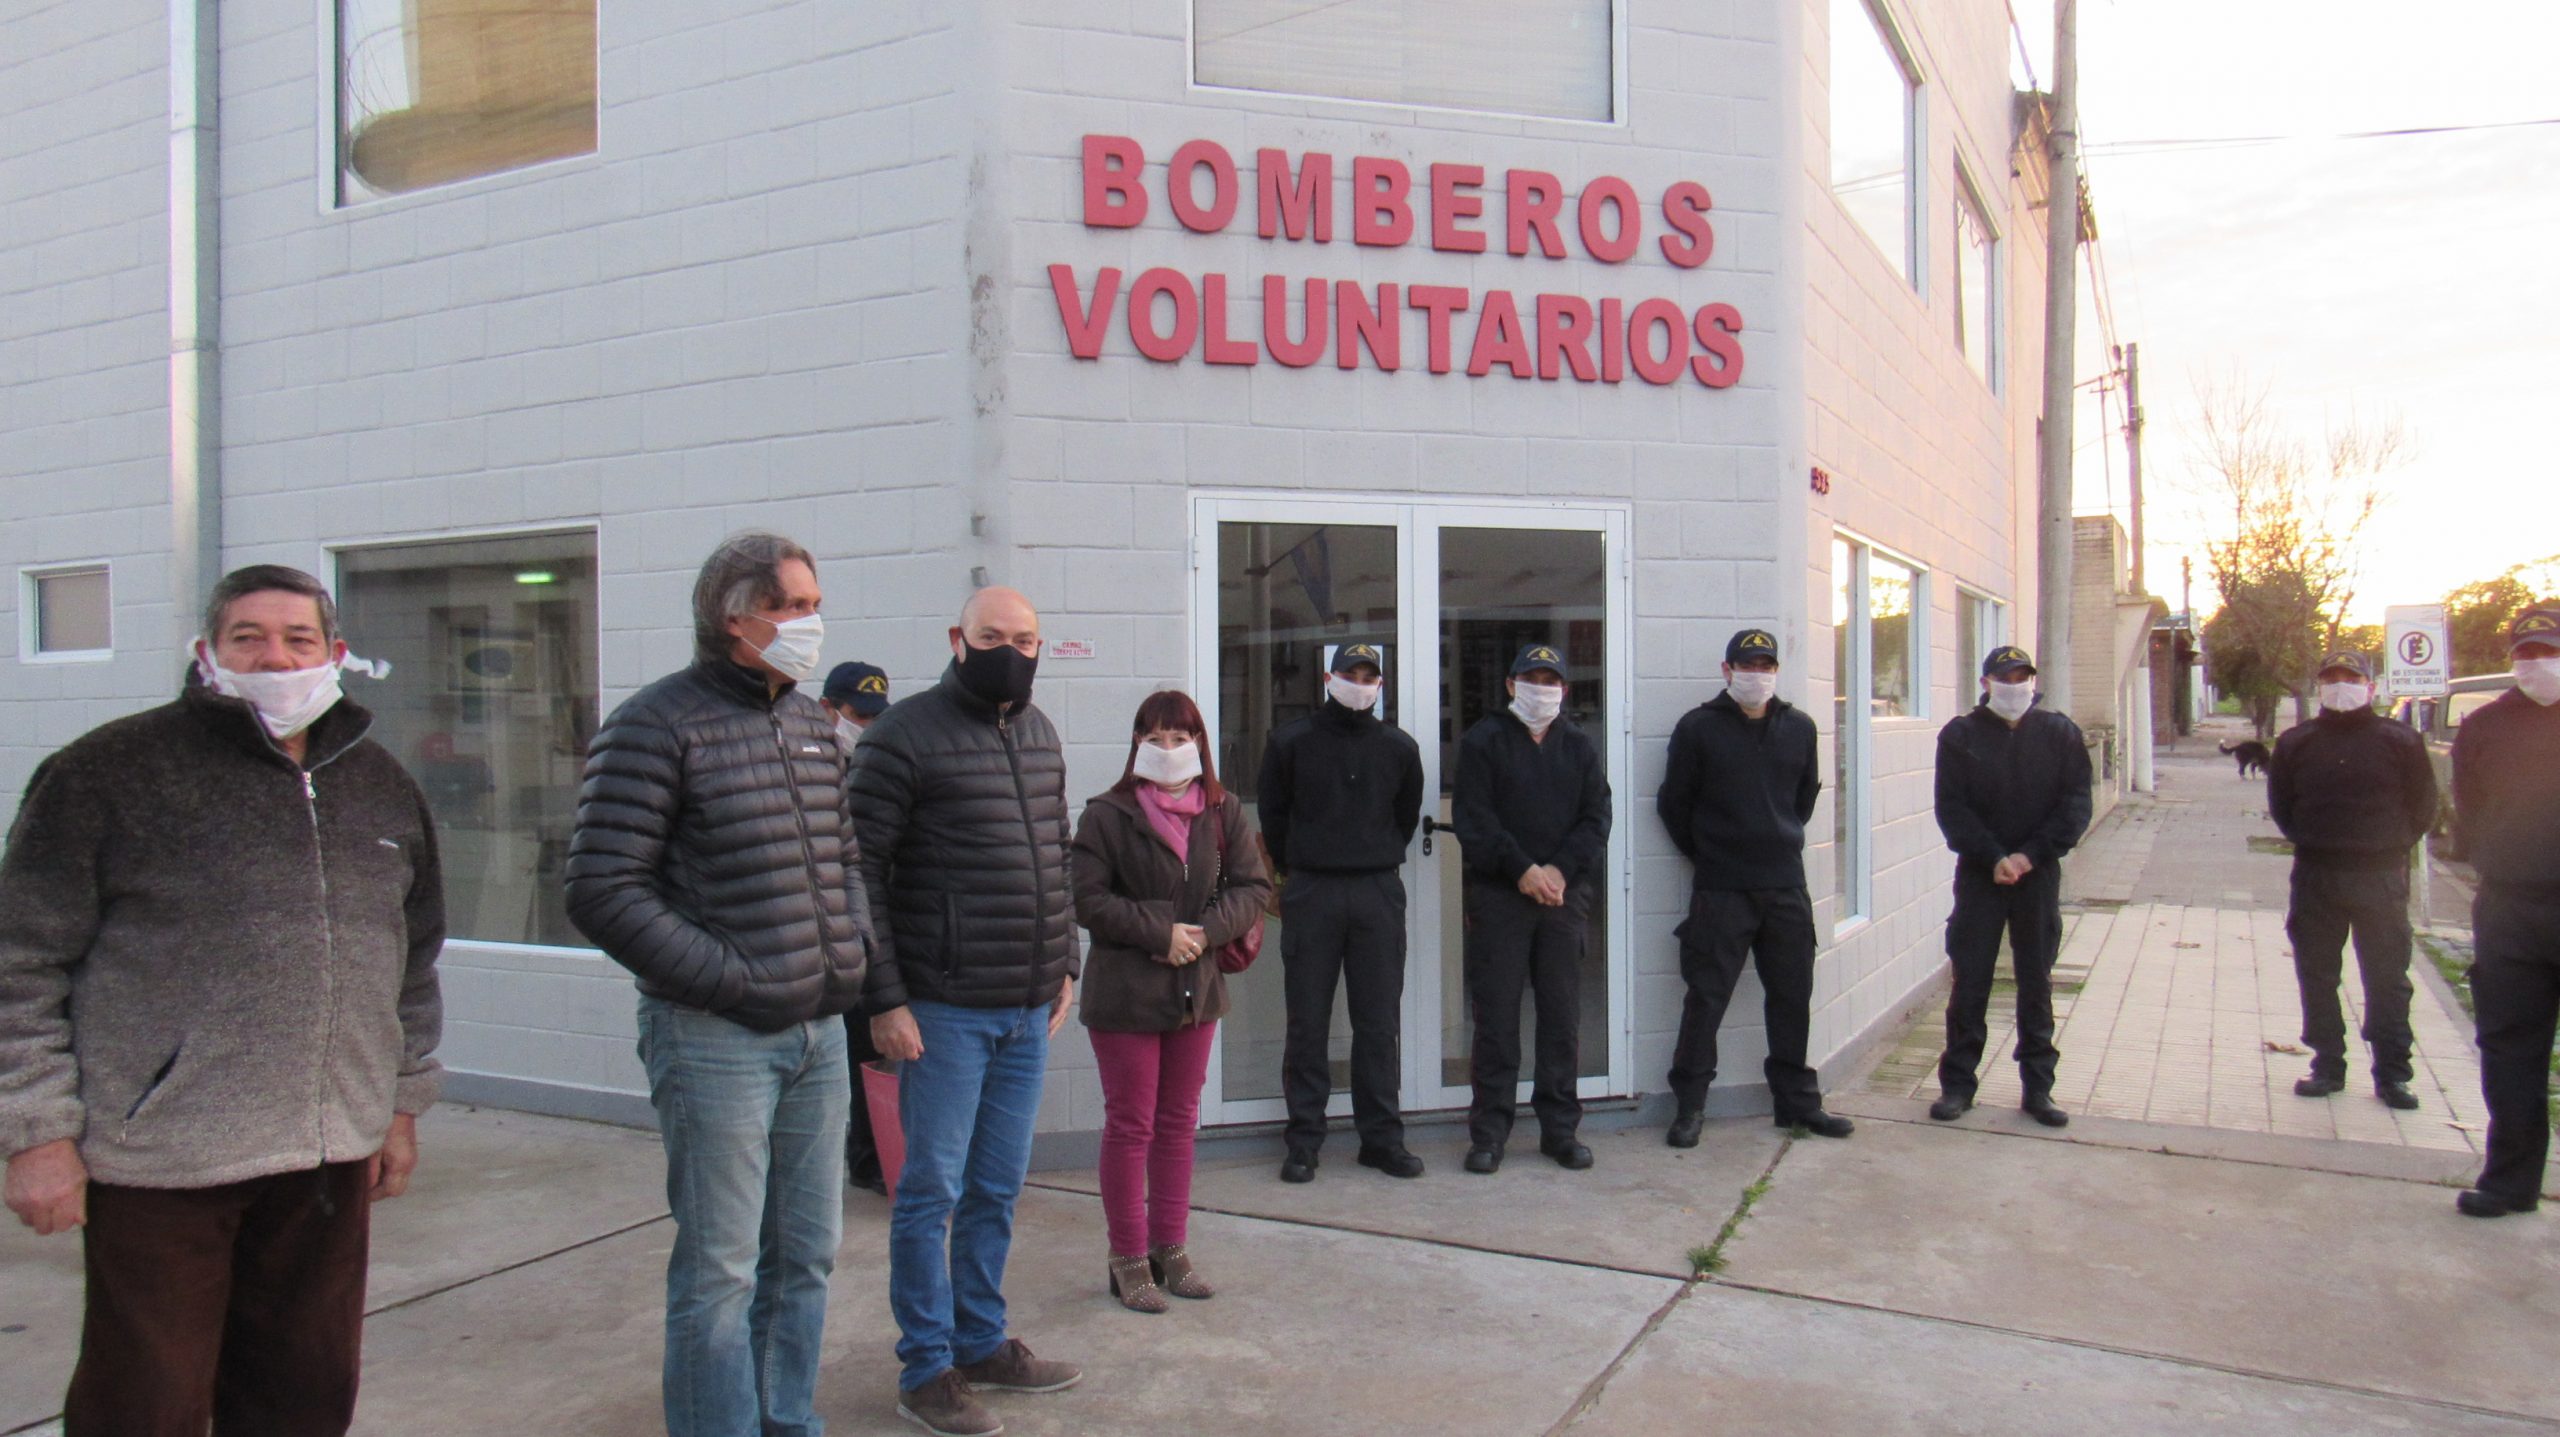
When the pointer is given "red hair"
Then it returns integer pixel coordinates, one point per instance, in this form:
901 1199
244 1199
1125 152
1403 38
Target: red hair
1171 708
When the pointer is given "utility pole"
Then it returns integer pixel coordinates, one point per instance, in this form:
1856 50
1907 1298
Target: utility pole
2061 296
2133 451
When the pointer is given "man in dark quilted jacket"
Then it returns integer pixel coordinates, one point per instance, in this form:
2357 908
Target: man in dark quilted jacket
715 859
960 792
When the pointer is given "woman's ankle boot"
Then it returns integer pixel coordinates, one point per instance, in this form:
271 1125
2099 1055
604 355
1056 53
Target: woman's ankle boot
1174 1272
1133 1281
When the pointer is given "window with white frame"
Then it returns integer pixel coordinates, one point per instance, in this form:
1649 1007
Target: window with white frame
1850 731
1978 621
1977 256
490 702
68 612
1874 131
1521 57
1897 643
434 91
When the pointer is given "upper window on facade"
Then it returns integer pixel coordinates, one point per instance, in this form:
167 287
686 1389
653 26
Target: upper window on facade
69 613
490 702
1873 104
1977 253
433 91
1519 57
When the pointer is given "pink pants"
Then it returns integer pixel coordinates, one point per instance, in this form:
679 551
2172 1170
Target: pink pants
1150 1110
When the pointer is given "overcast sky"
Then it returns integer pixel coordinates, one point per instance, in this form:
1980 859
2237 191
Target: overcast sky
2408 278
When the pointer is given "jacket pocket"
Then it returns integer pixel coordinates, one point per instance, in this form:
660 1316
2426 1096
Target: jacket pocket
947 962
152 1089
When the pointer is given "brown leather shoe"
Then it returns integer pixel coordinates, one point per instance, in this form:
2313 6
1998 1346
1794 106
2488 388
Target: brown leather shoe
1133 1281
1012 1368
1174 1270
944 1407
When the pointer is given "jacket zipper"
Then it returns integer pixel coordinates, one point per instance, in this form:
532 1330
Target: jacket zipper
808 856
328 963
1031 833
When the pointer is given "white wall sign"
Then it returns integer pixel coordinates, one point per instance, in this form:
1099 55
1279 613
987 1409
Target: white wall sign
1070 648
2417 650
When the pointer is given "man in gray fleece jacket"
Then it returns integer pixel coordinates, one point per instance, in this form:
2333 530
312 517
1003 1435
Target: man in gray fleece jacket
219 922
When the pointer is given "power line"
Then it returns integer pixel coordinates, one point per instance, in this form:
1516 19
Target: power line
2225 142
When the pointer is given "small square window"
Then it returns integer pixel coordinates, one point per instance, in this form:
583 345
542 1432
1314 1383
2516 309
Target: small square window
435 91
1520 57
70 612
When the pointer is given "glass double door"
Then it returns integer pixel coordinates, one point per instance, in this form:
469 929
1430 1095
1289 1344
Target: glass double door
1449 594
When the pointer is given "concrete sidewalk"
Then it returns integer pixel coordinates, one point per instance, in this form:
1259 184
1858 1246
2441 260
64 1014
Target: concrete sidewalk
2175 998
1916 1278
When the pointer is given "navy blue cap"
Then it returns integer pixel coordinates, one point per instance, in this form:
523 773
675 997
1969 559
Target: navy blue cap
2004 658
863 688
2349 659
1534 657
2535 624
1750 644
1351 656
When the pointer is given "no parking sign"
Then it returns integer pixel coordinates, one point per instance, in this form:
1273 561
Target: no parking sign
2417 657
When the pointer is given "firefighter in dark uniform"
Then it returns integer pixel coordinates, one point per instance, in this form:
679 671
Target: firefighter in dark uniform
1532 818
1340 794
1736 794
2506 799
2013 797
2354 793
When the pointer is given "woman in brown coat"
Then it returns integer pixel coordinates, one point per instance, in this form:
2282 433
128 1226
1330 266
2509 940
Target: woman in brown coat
1166 874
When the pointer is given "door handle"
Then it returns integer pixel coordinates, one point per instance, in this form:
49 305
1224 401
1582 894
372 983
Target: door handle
1428 825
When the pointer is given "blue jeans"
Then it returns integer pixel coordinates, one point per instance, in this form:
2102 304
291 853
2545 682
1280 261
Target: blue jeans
967 1106
754 1130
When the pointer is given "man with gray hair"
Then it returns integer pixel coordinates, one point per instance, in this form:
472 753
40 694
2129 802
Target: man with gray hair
219 922
714 857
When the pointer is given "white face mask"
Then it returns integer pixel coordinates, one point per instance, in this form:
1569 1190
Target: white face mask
286 703
1751 690
2346 698
794 650
2540 680
1168 767
2011 701
848 733
1537 704
1359 698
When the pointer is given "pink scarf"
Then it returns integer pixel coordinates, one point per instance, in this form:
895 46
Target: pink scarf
1171 817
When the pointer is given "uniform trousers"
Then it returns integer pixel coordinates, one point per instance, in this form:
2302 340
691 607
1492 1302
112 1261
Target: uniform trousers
2331 901
1345 930
1771 928
2030 912
2515 993
1515 943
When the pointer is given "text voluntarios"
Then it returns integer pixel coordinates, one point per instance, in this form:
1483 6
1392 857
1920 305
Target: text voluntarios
1558 334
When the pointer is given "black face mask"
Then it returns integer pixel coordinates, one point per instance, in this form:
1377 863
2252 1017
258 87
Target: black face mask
1001 675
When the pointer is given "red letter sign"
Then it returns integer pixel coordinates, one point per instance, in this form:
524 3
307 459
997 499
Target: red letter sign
1113 198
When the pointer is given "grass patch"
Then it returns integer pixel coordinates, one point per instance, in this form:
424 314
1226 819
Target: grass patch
2261 843
1711 1258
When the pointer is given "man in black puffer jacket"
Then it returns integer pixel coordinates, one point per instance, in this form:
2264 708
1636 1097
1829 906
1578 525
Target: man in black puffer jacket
960 796
2355 793
715 859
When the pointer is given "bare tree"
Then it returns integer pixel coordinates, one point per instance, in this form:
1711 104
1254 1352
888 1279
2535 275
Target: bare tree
2294 512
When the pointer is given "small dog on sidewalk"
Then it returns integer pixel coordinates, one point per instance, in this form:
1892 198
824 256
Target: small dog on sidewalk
2249 754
